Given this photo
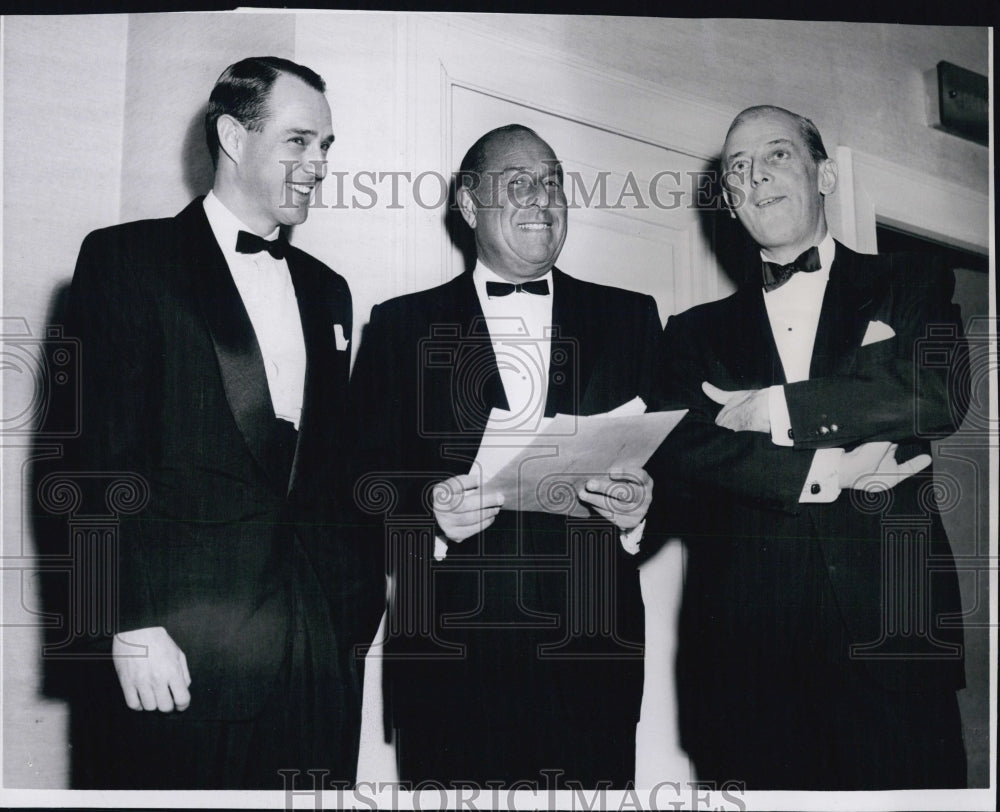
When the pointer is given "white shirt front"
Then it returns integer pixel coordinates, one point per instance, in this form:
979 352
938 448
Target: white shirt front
793 311
265 286
520 327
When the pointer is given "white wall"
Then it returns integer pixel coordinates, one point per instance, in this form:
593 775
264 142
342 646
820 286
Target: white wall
64 96
860 82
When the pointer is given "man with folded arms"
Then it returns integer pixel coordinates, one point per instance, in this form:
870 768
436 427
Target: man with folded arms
819 645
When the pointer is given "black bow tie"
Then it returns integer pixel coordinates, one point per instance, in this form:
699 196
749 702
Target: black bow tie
247 243
540 287
776 275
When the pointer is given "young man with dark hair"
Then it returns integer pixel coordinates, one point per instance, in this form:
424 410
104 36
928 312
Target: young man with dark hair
215 368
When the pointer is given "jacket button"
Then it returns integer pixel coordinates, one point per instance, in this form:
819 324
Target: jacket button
834 427
814 488
824 430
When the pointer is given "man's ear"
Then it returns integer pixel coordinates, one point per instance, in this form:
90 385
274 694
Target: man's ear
232 137
826 176
466 205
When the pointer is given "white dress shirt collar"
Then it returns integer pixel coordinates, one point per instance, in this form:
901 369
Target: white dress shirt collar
226 225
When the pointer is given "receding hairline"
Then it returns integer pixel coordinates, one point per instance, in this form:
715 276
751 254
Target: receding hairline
496 140
481 154
807 130
758 112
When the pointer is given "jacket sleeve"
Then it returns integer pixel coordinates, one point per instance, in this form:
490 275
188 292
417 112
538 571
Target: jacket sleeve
699 454
111 314
911 386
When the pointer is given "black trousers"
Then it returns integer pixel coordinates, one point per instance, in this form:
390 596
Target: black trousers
837 733
311 720
786 707
548 753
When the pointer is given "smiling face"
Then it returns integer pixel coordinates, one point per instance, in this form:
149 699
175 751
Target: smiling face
275 170
518 211
775 186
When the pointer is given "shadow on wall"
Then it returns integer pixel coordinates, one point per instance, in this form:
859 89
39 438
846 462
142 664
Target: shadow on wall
70 659
199 173
735 252
70 546
50 526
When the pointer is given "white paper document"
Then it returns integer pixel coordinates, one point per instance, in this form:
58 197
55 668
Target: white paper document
543 472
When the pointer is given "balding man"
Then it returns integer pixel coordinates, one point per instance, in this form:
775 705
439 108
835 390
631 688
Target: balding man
500 685
820 645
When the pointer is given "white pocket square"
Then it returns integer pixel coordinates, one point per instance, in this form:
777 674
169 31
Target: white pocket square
877 331
342 340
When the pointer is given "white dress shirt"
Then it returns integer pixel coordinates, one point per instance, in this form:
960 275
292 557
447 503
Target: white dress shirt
520 328
265 286
793 311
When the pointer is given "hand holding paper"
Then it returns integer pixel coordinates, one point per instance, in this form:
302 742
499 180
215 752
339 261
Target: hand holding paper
549 470
462 508
622 497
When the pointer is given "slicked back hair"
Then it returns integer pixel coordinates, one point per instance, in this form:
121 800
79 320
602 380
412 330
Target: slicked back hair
808 130
242 92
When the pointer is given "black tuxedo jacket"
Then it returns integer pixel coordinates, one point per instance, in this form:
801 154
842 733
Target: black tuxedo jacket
756 553
491 634
174 389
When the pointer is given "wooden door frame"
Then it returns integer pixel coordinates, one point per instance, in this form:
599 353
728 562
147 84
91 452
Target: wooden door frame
609 100
874 191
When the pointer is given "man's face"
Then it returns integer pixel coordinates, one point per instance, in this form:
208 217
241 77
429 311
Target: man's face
281 165
518 210
775 186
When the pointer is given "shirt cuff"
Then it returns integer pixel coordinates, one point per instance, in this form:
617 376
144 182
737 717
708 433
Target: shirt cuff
630 538
440 548
823 480
781 422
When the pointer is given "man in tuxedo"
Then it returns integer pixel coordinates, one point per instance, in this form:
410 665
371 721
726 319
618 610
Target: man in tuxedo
515 637
215 367
821 642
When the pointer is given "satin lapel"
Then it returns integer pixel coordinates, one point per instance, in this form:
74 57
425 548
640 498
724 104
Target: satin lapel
572 350
240 362
480 387
749 341
846 311
318 314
